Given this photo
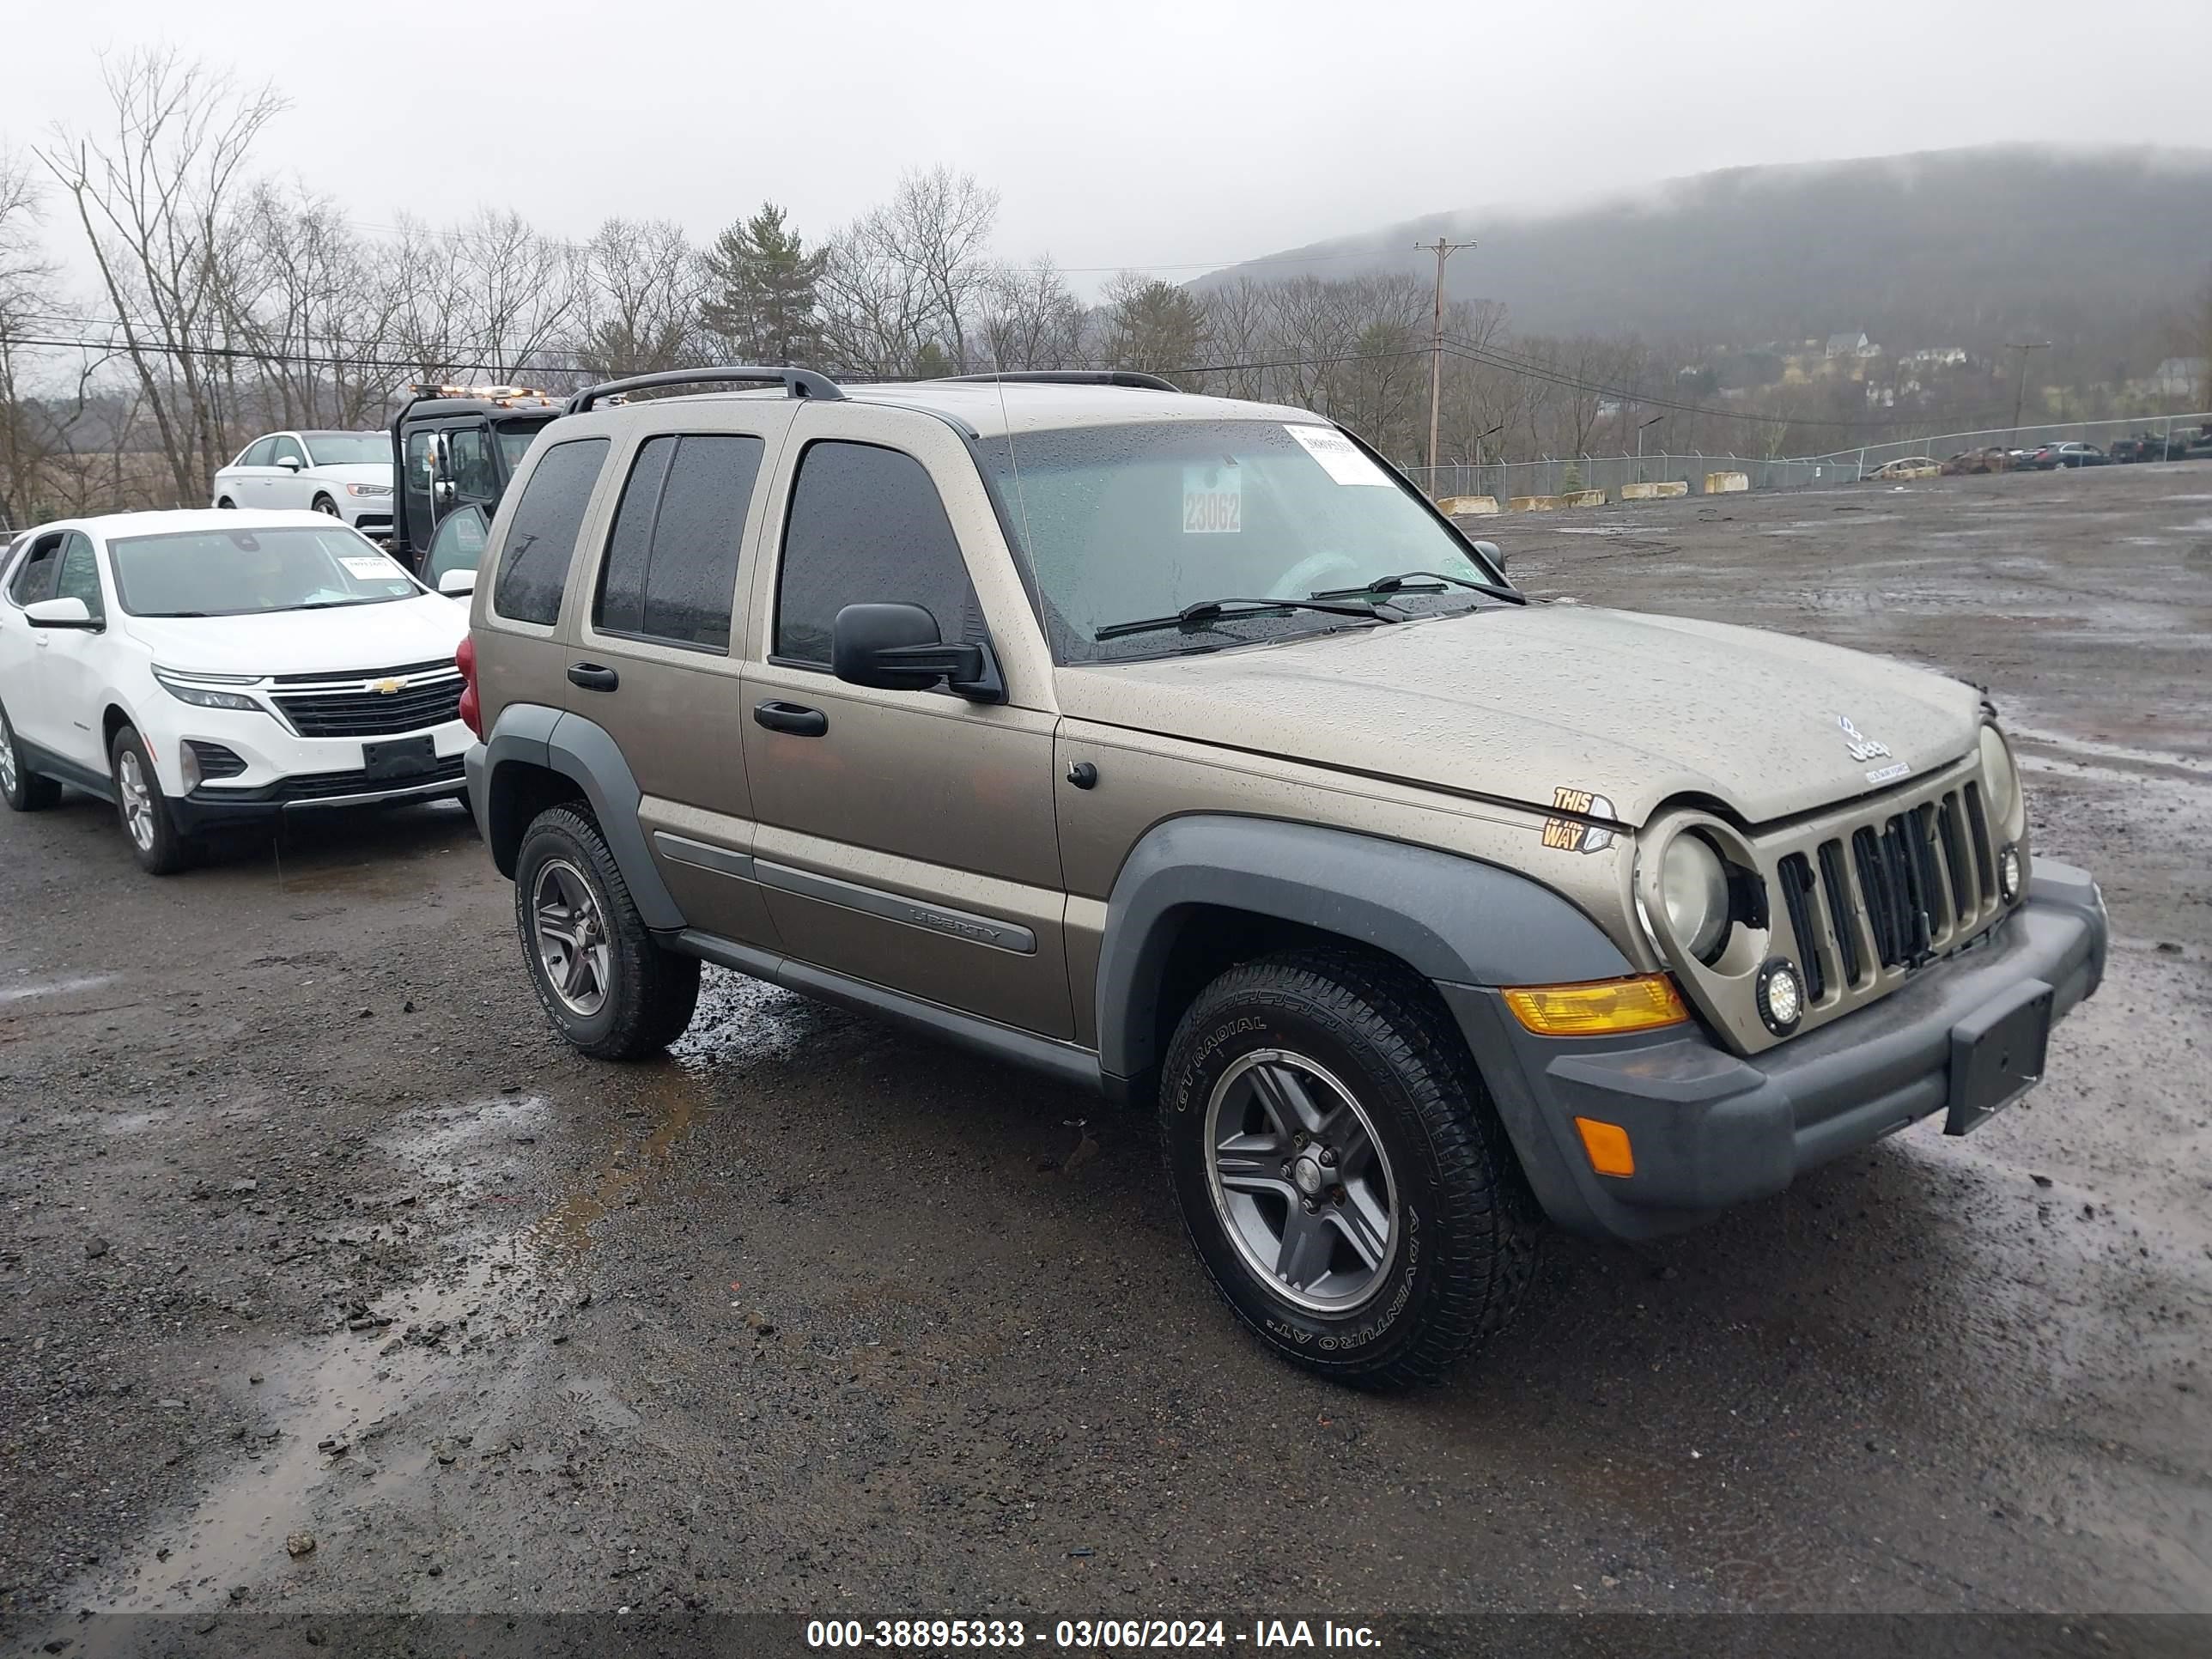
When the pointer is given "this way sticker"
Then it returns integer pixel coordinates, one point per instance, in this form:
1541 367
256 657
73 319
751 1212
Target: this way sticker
1340 458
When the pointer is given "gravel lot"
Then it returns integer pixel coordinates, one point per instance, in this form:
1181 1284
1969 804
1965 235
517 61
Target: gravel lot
309 1229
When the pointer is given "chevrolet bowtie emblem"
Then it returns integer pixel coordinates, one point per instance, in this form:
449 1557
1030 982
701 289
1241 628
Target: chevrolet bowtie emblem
388 687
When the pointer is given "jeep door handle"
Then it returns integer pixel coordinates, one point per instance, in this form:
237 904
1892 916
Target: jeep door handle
592 676
796 718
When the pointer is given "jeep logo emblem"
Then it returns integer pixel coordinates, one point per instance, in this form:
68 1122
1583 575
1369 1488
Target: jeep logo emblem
1862 747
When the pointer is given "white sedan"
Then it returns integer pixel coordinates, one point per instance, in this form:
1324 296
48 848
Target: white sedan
201 669
347 475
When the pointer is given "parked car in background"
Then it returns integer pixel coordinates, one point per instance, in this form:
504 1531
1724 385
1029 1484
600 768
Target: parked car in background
347 475
2051 457
1967 461
201 669
1908 466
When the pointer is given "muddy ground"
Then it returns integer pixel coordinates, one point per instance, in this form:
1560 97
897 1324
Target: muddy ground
309 1228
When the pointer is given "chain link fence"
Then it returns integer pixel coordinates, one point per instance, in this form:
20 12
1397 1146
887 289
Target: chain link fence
1504 480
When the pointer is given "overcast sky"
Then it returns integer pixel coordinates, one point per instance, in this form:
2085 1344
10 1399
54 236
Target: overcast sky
1130 133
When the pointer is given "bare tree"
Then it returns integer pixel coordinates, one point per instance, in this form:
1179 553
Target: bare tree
937 230
876 317
26 284
302 293
1030 318
151 194
488 299
638 310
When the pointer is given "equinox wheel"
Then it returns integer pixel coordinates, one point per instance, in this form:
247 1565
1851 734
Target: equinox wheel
144 809
1341 1169
22 788
608 988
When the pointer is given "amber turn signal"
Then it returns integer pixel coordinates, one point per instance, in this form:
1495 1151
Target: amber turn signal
1607 1144
1601 1008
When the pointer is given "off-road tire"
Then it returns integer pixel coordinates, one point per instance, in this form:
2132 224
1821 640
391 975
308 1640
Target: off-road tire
1468 1223
166 851
20 787
651 991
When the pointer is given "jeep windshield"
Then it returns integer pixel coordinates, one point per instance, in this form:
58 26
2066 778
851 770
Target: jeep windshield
1117 523
244 573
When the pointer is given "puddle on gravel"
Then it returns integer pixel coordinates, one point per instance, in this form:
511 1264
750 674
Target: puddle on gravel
321 1415
55 988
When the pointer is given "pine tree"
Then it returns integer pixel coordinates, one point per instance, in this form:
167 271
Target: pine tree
761 301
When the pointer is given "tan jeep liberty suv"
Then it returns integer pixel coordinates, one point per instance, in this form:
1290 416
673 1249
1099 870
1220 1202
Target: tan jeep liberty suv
1177 747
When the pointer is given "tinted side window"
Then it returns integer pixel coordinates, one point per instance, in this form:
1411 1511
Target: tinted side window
867 525
541 537
35 580
459 545
79 577
287 449
672 565
259 452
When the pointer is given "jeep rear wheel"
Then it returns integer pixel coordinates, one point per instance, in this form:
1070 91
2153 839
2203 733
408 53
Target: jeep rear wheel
608 988
1341 1169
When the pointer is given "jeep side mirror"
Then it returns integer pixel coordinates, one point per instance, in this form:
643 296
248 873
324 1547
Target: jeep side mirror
458 582
897 647
1493 552
70 612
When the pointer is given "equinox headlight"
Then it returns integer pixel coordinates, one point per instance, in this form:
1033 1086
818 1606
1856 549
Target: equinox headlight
1998 776
1694 886
203 696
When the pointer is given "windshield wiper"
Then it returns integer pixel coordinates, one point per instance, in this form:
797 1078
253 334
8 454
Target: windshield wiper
1417 581
1207 610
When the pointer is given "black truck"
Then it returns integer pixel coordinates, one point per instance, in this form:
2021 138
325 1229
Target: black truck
456 447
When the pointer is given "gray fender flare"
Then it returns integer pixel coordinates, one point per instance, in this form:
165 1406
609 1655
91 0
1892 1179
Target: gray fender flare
585 753
1450 918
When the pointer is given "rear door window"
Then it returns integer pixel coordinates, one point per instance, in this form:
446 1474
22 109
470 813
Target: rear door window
35 580
541 536
866 527
671 570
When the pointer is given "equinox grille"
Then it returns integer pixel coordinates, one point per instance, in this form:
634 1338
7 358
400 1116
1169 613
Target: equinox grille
356 708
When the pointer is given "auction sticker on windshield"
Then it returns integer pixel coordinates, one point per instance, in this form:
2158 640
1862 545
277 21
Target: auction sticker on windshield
1341 459
370 567
1212 500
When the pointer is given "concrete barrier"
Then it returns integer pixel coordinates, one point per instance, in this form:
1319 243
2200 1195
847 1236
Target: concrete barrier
1467 507
1583 498
1655 492
1726 483
1533 504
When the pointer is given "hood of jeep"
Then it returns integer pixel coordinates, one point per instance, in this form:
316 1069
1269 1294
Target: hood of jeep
1516 703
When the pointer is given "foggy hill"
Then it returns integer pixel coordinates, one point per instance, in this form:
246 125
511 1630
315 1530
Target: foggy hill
1963 247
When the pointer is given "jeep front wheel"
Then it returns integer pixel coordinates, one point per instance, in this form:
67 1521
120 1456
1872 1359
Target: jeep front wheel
1341 1169
610 988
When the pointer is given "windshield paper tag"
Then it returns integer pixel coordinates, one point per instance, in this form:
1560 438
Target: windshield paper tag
1212 500
369 567
1571 835
1341 459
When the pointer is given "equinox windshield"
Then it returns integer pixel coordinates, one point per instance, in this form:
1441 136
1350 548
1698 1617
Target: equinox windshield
241 573
1119 522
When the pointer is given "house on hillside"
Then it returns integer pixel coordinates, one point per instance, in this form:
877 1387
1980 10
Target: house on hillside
1937 357
2177 377
1853 344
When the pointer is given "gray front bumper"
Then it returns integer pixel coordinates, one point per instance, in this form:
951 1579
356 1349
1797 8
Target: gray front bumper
1711 1130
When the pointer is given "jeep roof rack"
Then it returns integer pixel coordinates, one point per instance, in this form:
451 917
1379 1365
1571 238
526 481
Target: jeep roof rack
798 382
1128 377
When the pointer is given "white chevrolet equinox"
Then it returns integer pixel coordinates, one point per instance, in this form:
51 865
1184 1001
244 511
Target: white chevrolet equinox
208 668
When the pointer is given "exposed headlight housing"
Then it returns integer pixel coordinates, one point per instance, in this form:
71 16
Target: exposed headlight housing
206 690
1999 776
1694 884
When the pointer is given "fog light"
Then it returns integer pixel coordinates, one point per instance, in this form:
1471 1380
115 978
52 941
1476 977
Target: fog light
2008 873
1781 996
188 762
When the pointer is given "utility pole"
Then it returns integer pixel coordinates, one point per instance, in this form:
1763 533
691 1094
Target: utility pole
2020 391
1443 250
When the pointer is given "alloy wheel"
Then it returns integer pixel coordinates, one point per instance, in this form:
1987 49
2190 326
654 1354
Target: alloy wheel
138 799
571 937
7 756
1300 1180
